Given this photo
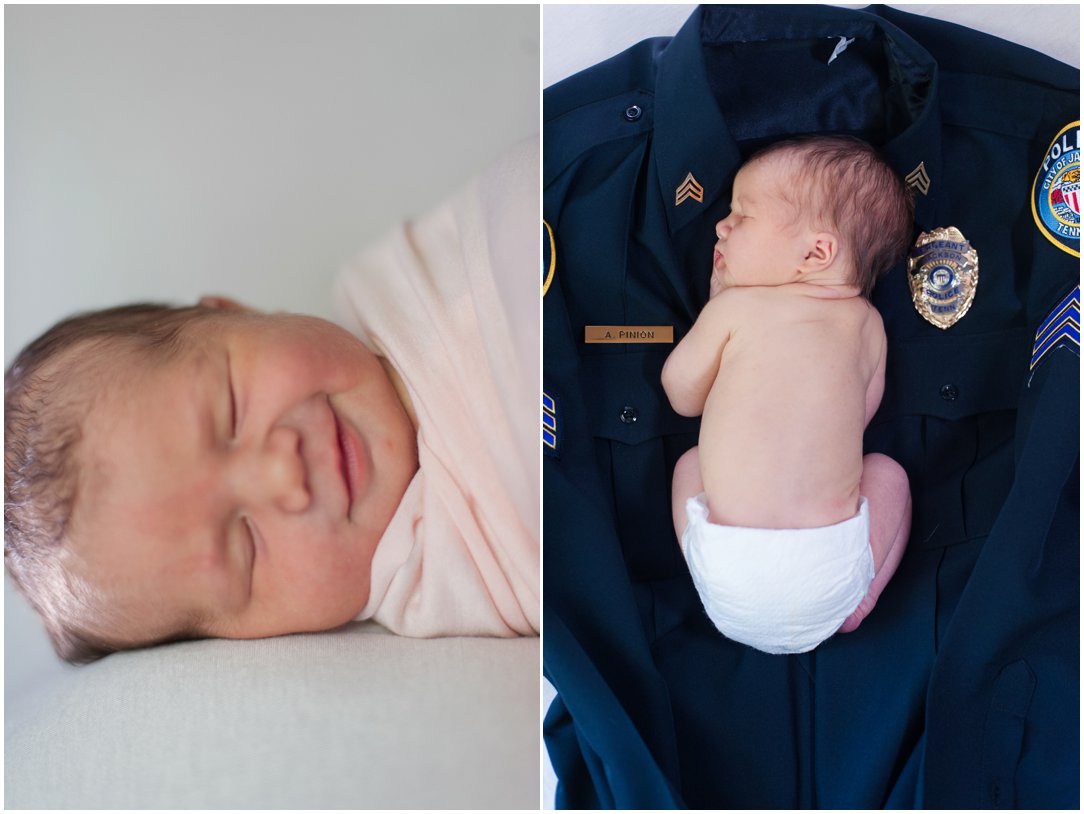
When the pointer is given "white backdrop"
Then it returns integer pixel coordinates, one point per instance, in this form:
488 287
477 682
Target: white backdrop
575 37
163 152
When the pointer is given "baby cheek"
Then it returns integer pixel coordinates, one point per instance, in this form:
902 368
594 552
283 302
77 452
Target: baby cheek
297 363
328 571
336 597
331 369
205 563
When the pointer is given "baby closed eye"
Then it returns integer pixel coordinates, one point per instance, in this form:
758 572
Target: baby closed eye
250 538
233 398
250 535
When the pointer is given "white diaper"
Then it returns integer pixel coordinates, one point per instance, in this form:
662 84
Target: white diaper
778 590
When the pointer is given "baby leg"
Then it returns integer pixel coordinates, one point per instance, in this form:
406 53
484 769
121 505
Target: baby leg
884 486
687 484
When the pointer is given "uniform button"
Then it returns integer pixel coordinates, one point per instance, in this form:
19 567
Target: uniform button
628 415
633 112
950 392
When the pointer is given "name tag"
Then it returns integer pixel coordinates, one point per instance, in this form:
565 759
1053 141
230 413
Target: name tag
628 334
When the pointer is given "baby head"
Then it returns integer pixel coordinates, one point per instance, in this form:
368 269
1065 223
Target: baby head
823 209
176 473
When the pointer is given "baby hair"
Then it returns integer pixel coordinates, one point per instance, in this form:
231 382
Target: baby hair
844 184
47 390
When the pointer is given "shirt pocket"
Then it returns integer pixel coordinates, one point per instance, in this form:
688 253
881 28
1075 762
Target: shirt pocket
638 439
949 418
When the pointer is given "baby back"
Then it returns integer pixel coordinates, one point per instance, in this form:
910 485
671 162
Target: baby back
781 436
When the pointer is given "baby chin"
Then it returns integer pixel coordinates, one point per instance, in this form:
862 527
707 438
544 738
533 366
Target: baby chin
715 285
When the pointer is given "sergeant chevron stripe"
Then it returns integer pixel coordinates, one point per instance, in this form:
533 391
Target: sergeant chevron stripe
918 178
689 188
1060 329
549 422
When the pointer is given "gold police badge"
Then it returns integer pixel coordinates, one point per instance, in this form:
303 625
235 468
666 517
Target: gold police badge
943 271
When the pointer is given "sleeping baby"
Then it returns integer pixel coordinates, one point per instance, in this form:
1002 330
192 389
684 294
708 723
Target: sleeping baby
791 534
175 473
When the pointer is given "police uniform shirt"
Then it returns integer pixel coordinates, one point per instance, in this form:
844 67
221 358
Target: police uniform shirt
961 688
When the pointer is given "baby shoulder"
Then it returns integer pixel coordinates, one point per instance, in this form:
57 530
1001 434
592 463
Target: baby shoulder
757 301
855 328
730 307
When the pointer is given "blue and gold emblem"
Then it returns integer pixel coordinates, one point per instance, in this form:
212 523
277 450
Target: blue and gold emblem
549 256
943 271
1055 193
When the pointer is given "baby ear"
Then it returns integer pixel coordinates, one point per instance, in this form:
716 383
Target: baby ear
821 252
222 304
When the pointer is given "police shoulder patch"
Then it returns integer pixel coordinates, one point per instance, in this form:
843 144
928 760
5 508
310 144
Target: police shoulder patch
1061 329
549 256
1055 193
549 424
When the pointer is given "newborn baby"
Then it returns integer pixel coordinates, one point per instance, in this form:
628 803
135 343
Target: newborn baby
789 532
190 445
173 473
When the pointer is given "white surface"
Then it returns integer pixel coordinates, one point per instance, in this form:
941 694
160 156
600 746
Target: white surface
163 152
575 37
355 718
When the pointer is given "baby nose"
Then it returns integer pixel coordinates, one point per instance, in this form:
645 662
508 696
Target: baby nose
722 229
276 472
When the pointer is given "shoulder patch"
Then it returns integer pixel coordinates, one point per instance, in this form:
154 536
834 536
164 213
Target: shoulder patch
549 424
1059 330
1055 193
549 256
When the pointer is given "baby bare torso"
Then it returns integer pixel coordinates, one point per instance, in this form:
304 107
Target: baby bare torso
781 435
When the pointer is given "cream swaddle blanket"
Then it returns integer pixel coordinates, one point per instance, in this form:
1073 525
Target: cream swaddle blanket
452 301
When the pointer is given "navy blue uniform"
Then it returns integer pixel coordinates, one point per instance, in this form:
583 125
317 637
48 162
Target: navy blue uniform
961 688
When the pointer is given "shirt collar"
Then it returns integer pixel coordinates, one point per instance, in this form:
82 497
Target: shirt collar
691 134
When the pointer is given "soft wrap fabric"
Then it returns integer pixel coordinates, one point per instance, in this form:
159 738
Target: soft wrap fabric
778 590
440 298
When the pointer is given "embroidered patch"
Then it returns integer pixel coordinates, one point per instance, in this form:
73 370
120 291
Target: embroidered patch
1059 330
549 256
1055 193
549 424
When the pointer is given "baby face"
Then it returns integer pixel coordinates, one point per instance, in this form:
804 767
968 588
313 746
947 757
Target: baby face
246 481
759 242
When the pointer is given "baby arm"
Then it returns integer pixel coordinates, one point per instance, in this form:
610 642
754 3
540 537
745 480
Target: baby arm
692 366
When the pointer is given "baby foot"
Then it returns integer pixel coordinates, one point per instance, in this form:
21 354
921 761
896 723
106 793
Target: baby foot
861 612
